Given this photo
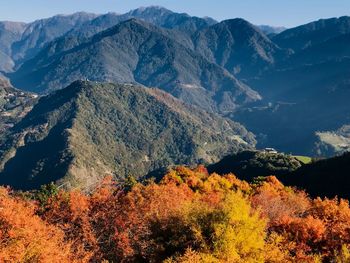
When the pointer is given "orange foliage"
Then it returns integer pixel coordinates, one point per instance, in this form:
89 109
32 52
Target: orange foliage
24 237
190 216
309 228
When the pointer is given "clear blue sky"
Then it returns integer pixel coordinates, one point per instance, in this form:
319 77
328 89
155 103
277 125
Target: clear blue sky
273 12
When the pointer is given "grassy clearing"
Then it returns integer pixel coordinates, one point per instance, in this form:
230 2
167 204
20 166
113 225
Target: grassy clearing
304 159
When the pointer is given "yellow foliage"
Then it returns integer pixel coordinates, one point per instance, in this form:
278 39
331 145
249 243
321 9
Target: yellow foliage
228 232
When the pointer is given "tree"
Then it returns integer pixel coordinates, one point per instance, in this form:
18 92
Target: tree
24 237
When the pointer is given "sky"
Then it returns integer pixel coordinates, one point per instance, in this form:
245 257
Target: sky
286 13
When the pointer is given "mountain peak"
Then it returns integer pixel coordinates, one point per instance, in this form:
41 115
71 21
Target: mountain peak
153 9
80 134
238 46
239 25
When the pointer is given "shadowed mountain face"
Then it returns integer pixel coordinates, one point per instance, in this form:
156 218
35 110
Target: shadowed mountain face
10 32
81 133
315 101
249 165
328 177
306 92
238 46
138 52
313 33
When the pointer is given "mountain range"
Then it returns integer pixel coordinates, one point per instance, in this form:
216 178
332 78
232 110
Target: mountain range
138 52
288 87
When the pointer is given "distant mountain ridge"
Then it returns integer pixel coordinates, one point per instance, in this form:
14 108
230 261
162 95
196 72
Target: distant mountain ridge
285 87
20 41
138 52
238 46
316 32
23 41
271 30
156 15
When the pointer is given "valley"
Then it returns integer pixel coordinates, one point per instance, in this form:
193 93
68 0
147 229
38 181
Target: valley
239 87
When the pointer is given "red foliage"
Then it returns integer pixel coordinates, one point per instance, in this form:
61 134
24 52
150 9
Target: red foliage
154 222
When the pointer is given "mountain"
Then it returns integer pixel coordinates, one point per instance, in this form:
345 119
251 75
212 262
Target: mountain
10 32
238 46
295 111
77 135
289 89
271 30
304 36
6 64
137 52
155 15
333 142
14 105
333 49
304 93
41 32
165 18
20 41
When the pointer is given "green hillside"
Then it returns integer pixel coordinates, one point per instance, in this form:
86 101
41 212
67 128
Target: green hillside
80 134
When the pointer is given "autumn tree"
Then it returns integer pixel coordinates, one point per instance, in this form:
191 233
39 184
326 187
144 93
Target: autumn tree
24 237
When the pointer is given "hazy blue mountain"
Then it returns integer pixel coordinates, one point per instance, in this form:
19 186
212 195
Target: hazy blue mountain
10 32
40 32
271 30
306 92
20 41
299 102
304 36
168 19
238 46
333 49
138 52
80 134
158 16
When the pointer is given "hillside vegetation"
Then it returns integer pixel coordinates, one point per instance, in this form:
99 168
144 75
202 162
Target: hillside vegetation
14 105
249 165
190 216
79 134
